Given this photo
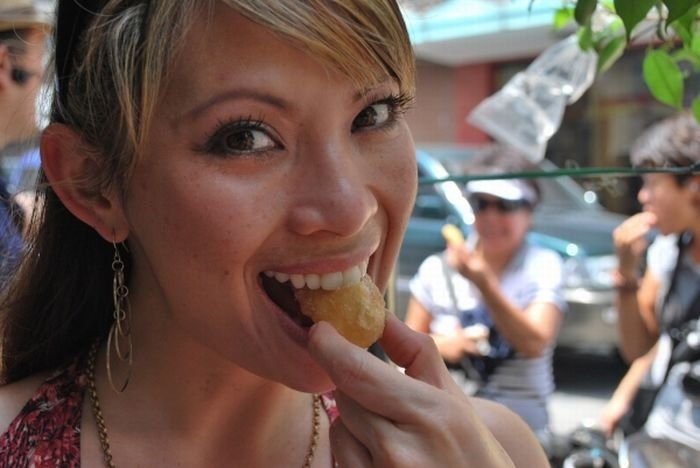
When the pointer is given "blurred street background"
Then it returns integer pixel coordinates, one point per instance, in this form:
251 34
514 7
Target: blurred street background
467 51
584 383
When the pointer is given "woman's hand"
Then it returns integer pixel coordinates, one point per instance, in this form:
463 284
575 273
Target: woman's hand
611 416
420 418
470 264
452 347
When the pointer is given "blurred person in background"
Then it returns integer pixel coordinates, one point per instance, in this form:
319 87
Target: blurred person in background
24 27
494 304
24 30
656 304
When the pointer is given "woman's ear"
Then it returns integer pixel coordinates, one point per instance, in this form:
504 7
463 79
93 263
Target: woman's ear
72 171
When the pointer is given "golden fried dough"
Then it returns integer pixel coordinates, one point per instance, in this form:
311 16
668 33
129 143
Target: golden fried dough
452 234
357 311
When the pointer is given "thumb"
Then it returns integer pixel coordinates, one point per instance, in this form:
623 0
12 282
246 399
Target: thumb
416 352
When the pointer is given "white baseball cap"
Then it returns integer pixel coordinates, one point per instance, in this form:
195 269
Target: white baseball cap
17 14
506 189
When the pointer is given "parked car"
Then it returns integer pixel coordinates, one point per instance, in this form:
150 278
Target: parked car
567 220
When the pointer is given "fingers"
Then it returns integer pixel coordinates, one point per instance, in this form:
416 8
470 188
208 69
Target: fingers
374 433
377 386
634 228
350 367
391 419
346 449
630 241
415 352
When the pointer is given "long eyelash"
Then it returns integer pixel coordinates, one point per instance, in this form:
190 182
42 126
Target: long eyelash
223 126
402 102
398 104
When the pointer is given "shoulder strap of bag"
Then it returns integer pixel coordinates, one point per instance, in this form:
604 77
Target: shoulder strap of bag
466 363
448 280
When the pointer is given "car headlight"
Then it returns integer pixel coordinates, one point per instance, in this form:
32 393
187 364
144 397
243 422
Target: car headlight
589 272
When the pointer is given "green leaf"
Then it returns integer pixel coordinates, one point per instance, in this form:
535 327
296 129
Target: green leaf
584 10
695 45
677 8
585 37
633 12
610 53
686 55
685 25
695 108
682 31
663 77
562 17
613 29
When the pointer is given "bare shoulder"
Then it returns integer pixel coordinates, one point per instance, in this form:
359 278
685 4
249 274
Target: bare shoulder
514 435
14 396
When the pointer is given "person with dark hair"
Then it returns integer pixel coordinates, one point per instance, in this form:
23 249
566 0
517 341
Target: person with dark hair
208 162
494 304
24 28
656 304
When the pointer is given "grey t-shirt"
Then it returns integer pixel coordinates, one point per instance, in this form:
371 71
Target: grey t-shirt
533 275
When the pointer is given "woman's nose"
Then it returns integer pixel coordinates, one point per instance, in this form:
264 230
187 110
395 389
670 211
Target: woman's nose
332 193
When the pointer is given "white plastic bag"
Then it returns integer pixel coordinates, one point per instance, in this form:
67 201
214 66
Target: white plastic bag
528 110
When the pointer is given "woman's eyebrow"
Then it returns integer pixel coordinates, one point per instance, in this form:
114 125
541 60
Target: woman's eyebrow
364 92
234 95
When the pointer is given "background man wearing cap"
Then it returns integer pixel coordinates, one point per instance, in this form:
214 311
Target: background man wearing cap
494 303
24 28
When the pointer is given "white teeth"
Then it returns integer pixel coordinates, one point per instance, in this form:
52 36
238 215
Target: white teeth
281 277
328 281
331 281
298 281
312 281
352 275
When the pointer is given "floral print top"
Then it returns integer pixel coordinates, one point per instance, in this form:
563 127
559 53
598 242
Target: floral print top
46 432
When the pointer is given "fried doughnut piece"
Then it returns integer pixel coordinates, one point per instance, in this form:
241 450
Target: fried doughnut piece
357 311
452 234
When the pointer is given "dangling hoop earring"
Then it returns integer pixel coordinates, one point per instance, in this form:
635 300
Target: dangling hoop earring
120 332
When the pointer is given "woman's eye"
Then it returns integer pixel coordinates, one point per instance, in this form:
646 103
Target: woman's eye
240 138
372 116
247 140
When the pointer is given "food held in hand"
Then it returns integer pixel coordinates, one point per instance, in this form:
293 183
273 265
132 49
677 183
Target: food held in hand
480 334
452 234
357 310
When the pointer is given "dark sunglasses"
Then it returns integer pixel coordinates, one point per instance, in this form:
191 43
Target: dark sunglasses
21 76
480 204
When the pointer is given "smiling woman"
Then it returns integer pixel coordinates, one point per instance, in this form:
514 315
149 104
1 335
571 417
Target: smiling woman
203 156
